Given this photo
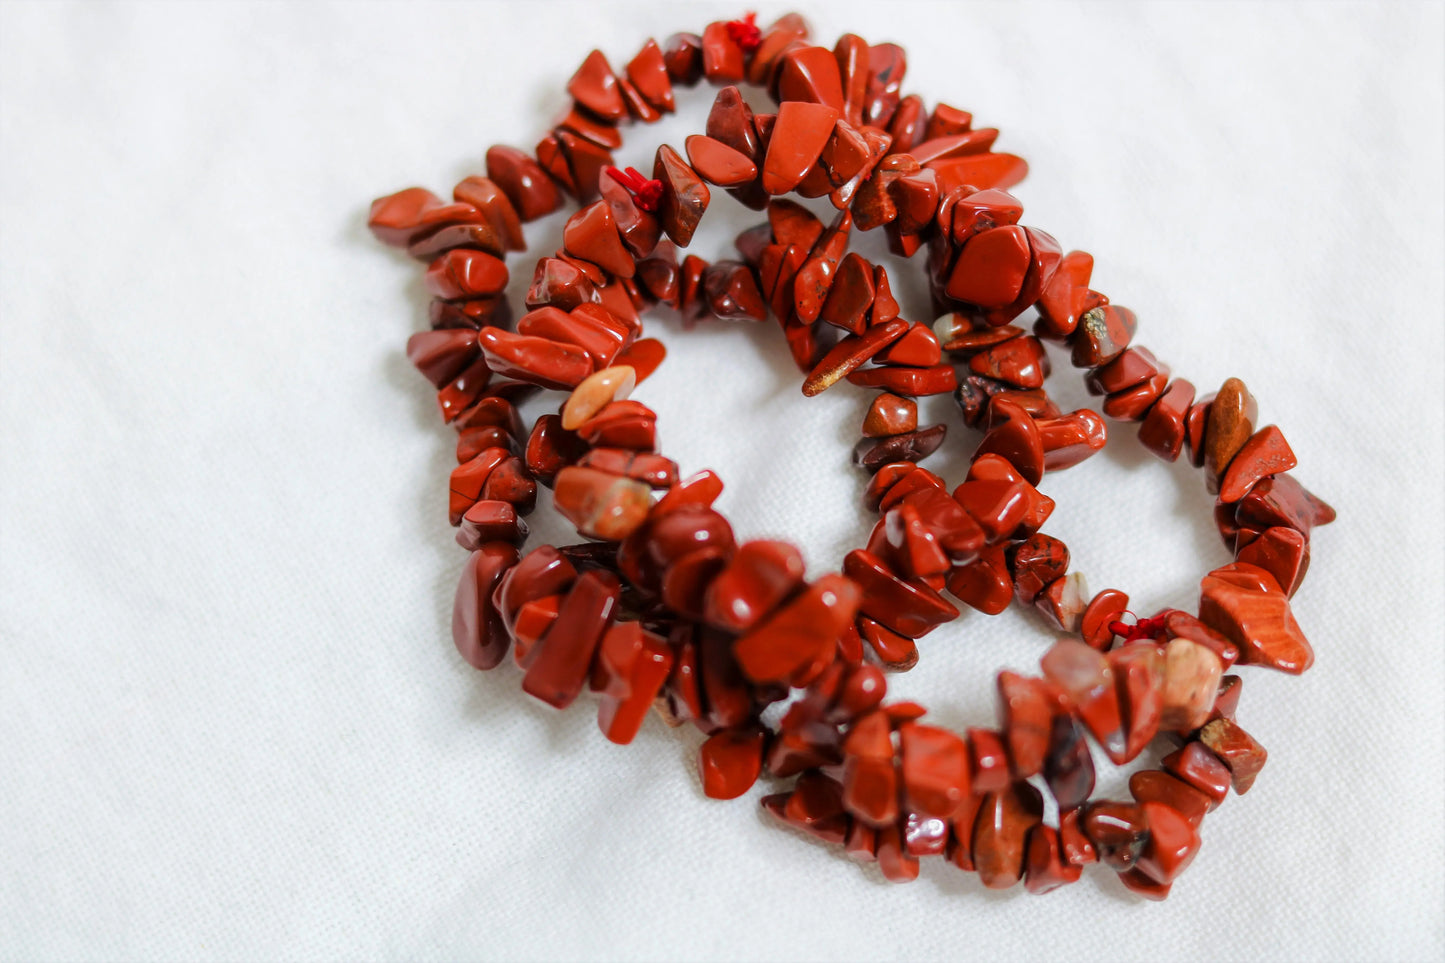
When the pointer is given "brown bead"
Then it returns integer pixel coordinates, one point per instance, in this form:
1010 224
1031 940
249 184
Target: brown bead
722 58
890 415
719 164
1001 831
684 195
1247 606
1231 421
1265 453
1139 675
559 663
1102 335
799 135
1196 765
526 185
477 628
1164 428
1237 749
730 761
907 607
871 454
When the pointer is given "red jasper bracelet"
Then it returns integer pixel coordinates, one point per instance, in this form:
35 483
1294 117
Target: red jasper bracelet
660 607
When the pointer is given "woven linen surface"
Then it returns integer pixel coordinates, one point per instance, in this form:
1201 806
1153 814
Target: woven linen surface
232 722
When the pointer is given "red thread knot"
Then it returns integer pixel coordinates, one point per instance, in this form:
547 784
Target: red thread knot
745 32
645 193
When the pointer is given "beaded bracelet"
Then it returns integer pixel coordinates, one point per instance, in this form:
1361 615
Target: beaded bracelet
660 608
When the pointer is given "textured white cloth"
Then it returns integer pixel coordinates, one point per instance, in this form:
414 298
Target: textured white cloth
232 723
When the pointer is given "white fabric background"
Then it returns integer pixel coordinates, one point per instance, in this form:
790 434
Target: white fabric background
232 724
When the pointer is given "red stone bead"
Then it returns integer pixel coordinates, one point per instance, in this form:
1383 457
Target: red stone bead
1282 552
1068 767
477 627
526 185
601 504
934 769
1085 676
719 164
537 361
1152 785
560 661
1014 434
591 233
1034 563
1000 833
684 195
890 415
1172 844
799 135
1241 754
1247 606
1163 430
1067 296
1104 608
722 58
1196 765
1102 335
849 353
760 576
799 632
462 274
1265 453
730 761
907 607
1046 865
682 54
1026 720
620 719
983 584
1139 674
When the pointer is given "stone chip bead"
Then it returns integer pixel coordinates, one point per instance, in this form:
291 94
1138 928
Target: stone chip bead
595 392
600 504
